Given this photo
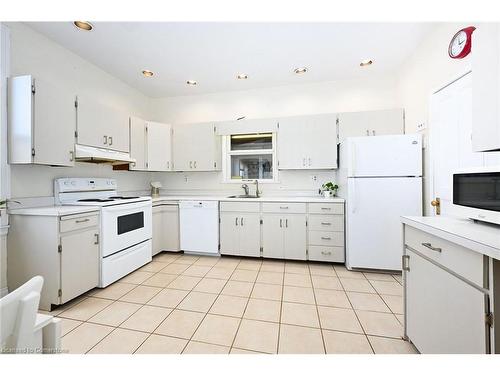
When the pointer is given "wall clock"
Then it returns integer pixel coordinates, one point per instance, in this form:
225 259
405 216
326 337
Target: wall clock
461 43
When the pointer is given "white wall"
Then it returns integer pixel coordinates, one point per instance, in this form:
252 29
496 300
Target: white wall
372 93
33 53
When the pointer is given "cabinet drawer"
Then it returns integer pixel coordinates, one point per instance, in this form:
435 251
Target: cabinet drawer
327 253
72 222
326 208
240 206
293 208
464 262
321 238
331 223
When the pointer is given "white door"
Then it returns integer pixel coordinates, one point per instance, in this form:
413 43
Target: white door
370 123
322 142
206 153
450 138
171 227
249 234
138 144
79 263
272 236
229 233
184 142
158 146
374 210
444 314
390 155
295 237
54 125
292 150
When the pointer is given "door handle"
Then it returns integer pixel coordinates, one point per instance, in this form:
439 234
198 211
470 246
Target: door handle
405 260
110 141
367 132
283 207
82 221
430 247
194 163
168 165
281 223
241 221
96 235
309 160
326 208
326 253
105 141
190 164
303 162
286 223
373 132
326 238
326 223
436 203
236 221
71 155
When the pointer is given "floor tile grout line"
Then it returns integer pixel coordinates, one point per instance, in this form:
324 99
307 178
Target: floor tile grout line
317 312
281 313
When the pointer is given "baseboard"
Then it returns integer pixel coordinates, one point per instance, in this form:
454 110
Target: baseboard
3 292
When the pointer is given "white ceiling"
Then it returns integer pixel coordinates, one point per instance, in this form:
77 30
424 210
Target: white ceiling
214 53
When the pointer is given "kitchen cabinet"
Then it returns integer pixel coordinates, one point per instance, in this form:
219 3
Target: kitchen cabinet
165 227
240 230
196 147
447 303
150 145
41 122
370 123
99 125
486 87
63 249
307 142
283 233
326 232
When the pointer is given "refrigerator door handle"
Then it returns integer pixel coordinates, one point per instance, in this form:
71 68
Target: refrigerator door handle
354 200
353 159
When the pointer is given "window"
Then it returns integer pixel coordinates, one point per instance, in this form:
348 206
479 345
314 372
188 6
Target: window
249 157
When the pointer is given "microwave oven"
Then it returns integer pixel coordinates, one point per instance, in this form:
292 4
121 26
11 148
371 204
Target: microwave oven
476 193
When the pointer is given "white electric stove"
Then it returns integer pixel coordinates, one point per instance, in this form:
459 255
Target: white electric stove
126 223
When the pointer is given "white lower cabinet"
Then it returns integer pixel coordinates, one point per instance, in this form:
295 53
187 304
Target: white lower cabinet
240 233
64 250
165 228
284 236
445 309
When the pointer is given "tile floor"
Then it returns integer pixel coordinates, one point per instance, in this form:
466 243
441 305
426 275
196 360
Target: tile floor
189 304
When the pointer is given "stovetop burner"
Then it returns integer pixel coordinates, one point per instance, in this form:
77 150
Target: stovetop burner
120 197
95 200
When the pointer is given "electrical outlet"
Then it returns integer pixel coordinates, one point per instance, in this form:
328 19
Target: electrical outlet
314 178
421 126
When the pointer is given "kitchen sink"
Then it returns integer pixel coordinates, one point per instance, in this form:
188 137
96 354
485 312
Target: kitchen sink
243 196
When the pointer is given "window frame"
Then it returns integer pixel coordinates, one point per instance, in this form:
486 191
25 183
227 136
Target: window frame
227 153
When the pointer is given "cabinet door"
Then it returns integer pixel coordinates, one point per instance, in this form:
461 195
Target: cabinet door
369 123
158 146
486 87
54 125
249 242
102 126
229 233
79 263
292 136
138 143
158 230
295 236
272 236
443 313
183 144
171 227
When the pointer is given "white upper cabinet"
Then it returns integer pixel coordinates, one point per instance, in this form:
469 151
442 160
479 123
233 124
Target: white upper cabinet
307 142
150 145
101 126
42 123
369 123
196 147
486 87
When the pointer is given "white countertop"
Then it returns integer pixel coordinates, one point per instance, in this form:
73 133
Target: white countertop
53 210
166 198
480 237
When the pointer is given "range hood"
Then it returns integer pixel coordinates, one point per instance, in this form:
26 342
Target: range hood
101 155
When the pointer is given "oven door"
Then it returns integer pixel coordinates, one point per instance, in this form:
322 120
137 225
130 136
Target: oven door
125 225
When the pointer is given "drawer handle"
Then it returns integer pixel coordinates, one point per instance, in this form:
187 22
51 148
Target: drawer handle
326 208
326 252
326 238
283 207
326 223
430 247
81 221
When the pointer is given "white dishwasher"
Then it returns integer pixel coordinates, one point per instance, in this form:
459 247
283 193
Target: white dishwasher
199 226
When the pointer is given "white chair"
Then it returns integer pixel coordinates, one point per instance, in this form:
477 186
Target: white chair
22 329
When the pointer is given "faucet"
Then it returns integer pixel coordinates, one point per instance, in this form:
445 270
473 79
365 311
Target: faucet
245 187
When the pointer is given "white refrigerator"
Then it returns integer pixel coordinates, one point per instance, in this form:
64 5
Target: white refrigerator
381 179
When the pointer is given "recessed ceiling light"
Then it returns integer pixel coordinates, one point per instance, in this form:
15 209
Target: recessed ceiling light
300 70
191 82
366 62
242 76
83 25
147 73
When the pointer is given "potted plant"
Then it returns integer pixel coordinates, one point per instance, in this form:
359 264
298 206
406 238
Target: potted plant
329 189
